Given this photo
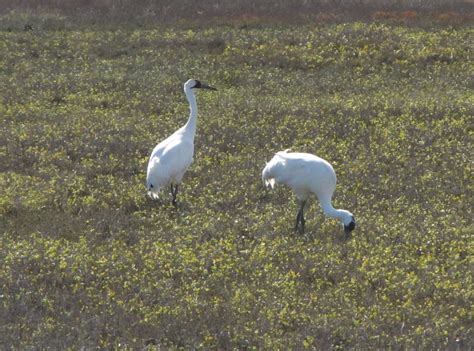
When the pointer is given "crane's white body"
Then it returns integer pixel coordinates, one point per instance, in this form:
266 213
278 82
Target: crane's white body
169 161
171 158
306 174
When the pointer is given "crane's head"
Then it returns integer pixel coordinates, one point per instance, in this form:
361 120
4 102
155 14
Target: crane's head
195 84
349 223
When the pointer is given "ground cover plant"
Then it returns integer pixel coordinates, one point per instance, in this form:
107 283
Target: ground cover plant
89 261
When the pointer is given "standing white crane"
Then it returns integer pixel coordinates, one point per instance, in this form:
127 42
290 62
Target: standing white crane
307 174
171 158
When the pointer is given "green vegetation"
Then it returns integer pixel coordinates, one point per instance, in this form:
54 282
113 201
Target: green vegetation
88 261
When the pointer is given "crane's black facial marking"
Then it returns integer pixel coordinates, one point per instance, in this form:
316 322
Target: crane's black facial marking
151 186
197 85
351 226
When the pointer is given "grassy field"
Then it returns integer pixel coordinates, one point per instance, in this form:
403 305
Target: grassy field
88 261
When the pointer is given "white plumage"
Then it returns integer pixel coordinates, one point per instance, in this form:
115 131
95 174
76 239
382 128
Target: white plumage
171 158
307 174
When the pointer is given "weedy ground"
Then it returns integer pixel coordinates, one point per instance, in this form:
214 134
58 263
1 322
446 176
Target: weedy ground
88 261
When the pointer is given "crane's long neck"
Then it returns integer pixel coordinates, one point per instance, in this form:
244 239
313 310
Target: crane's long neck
330 211
190 126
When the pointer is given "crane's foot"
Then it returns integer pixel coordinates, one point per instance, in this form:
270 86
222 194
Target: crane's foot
300 222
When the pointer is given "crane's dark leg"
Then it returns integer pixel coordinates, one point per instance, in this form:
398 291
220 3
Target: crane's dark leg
297 220
300 218
174 192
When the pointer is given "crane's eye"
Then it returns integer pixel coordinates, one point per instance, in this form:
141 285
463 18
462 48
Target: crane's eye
197 85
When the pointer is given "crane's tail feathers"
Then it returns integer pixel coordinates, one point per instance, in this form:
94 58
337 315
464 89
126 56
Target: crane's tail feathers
283 154
153 195
152 190
270 183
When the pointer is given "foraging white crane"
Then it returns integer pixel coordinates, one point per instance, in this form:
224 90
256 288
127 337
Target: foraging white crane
171 158
307 174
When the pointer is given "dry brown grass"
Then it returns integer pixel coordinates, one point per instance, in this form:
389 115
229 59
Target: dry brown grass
86 13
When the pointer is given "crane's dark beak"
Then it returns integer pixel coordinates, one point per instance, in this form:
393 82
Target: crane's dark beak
200 85
205 86
350 227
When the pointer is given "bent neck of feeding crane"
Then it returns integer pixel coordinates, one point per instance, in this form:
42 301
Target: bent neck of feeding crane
330 211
